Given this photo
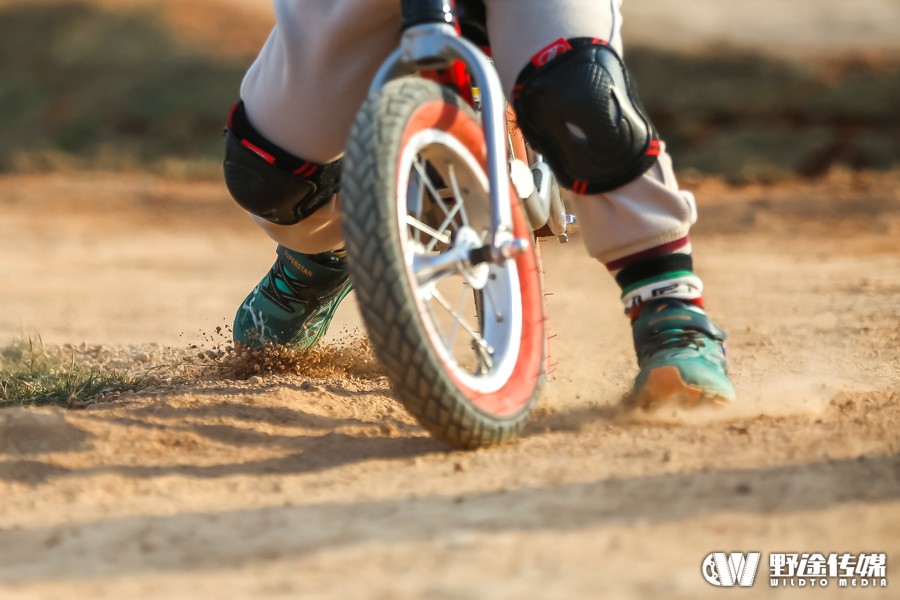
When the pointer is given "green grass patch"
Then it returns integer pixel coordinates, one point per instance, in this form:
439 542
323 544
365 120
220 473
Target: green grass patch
34 375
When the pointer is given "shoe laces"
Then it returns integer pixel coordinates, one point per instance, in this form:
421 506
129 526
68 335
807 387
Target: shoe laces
673 339
284 299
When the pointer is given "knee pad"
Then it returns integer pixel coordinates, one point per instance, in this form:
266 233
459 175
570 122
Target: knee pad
270 183
575 104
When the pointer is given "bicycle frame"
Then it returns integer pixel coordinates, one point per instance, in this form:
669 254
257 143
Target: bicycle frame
431 40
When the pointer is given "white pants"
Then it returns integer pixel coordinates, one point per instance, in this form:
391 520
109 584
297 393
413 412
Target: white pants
313 73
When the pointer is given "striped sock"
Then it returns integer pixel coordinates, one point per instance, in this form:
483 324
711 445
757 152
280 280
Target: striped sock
665 271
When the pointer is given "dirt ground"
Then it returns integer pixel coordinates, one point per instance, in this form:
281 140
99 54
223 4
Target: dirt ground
319 485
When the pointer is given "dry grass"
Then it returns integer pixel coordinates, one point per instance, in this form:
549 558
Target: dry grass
33 375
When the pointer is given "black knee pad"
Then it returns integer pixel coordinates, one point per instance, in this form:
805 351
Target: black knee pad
269 182
575 104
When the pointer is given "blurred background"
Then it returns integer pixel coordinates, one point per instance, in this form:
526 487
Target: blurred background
752 91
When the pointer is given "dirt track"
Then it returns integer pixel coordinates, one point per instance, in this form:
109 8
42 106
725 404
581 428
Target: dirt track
222 488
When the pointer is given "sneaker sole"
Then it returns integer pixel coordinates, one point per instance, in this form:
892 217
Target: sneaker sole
665 387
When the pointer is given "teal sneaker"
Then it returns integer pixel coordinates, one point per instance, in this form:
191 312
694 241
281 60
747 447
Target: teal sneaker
295 302
681 356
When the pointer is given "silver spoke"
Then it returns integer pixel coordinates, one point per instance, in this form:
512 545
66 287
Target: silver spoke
444 225
429 185
481 345
457 195
434 233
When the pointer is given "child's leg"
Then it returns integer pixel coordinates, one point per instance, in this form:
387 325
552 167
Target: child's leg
313 73
283 150
299 99
645 214
560 62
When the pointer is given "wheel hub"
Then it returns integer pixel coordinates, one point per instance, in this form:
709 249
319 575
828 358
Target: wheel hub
467 240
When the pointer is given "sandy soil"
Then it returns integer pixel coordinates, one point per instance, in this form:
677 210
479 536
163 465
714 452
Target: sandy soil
318 484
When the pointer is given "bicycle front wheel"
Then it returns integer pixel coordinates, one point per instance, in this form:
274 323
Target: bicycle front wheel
462 341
